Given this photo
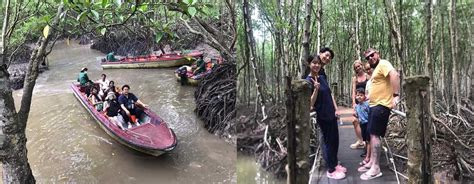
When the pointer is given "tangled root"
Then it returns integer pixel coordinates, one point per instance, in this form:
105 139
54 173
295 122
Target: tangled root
216 97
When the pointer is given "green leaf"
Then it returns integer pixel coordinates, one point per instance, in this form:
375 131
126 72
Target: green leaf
192 11
102 31
158 37
121 18
46 18
118 3
143 8
188 2
81 16
96 14
204 10
108 15
104 3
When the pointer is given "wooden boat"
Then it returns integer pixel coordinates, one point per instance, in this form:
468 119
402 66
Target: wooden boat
194 80
153 136
190 80
154 61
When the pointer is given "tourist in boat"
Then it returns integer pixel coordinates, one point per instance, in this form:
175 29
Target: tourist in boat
200 65
128 102
112 109
95 99
103 86
83 79
323 103
112 88
85 83
210 65
111 57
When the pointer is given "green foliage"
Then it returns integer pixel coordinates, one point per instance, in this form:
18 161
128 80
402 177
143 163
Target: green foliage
31 29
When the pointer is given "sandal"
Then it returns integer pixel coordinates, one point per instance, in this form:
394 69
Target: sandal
364 162
363 169
367 176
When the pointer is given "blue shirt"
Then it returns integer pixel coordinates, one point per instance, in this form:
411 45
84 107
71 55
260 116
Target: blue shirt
129 101
362 110
324 105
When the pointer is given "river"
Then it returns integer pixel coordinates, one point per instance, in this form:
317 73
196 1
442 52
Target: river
249 172
66 145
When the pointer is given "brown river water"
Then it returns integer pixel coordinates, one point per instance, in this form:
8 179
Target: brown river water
66 145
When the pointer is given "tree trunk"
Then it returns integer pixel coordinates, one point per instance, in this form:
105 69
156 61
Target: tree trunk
443 70
419 130
320 25
13 152
454 51
429 67
356 30
299 130
250 40
306 39
394 28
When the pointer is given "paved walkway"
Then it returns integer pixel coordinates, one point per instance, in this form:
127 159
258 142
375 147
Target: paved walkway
350 158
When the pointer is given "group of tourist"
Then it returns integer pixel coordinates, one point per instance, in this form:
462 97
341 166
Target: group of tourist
103 94
375 90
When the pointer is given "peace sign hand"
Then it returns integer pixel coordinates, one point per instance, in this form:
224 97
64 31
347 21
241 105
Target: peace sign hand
316 84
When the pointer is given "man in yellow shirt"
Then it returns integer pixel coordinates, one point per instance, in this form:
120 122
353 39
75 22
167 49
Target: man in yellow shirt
383 94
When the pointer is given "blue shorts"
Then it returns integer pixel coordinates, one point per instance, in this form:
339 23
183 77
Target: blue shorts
378 120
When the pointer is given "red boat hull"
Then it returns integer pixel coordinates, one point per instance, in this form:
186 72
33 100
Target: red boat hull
152 137
153 61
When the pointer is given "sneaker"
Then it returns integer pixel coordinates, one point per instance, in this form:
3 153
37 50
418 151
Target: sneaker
337 175
358 145
129 125
341 168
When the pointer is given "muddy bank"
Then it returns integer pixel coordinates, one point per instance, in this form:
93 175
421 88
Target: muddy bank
271 155
267 140
142 41
19 65
452 148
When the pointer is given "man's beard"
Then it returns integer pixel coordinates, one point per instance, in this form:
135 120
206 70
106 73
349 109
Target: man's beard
374 65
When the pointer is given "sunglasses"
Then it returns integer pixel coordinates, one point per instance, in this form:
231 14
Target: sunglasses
369 56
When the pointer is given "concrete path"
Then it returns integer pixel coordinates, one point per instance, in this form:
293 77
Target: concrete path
350 158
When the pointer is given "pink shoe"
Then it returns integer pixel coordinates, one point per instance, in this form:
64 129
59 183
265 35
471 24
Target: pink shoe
337 175
341 168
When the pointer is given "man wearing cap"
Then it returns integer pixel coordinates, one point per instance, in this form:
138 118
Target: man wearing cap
83 78
383 95
111 57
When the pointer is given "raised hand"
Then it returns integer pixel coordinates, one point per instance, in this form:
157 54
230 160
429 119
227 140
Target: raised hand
316 84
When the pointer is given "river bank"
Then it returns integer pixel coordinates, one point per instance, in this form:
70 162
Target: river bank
65 144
